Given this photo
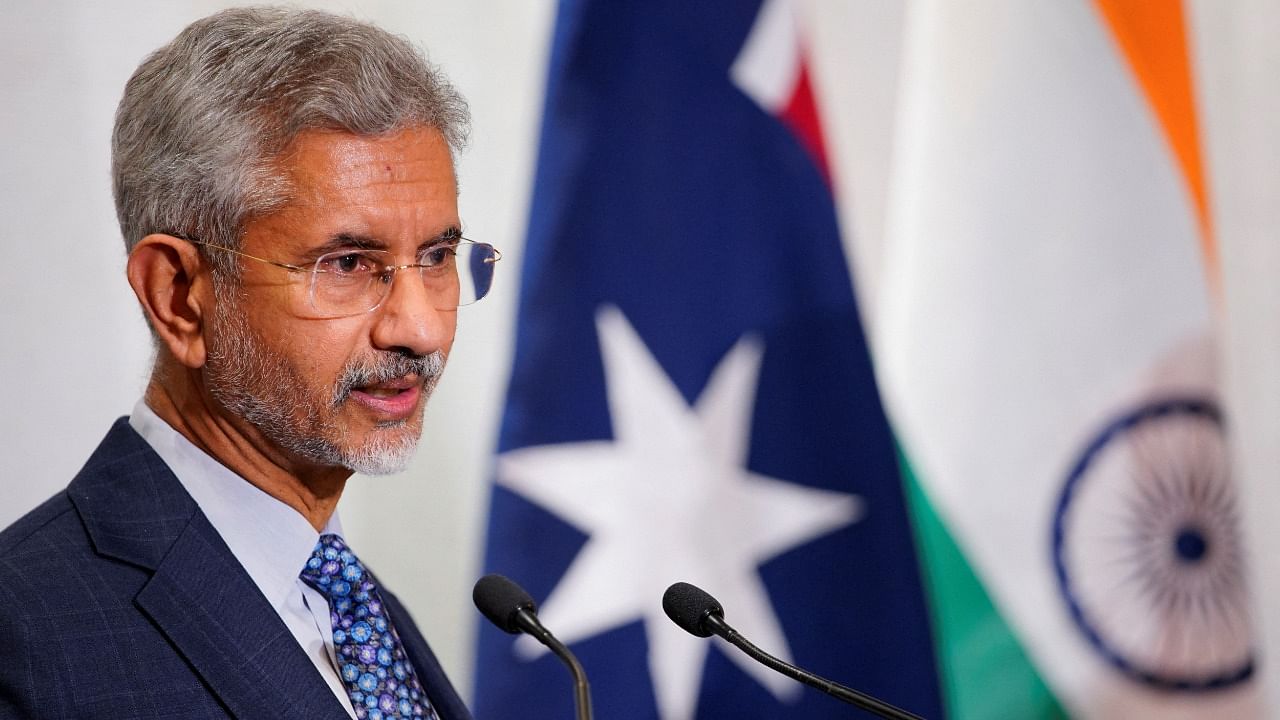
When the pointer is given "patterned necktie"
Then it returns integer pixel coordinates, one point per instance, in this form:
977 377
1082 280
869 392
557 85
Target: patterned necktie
379 677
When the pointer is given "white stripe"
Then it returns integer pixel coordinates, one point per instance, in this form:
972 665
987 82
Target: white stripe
768 66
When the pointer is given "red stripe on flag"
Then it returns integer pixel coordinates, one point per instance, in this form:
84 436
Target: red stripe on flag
801 115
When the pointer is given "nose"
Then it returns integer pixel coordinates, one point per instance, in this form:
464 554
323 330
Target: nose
408 319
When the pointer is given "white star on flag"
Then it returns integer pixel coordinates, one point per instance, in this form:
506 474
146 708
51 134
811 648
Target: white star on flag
670 499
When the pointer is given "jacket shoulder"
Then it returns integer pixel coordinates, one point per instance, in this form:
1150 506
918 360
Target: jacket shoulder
52 548
44 520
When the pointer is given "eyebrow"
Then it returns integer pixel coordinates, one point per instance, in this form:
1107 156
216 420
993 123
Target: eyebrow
366 242
453 232
346 240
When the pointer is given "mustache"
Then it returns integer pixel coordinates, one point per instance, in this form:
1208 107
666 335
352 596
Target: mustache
386 367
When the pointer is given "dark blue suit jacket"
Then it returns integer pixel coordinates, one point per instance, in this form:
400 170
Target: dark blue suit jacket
118 599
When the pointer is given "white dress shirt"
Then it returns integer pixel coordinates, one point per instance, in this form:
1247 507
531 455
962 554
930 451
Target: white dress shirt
270 539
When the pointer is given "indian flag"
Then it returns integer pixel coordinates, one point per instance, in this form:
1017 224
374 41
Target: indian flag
1045 345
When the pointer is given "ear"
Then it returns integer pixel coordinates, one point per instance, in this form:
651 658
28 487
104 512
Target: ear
166 275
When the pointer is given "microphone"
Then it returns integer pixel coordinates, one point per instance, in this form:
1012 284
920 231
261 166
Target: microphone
508 606
694 610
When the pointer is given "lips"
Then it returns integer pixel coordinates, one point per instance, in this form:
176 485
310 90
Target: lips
394 399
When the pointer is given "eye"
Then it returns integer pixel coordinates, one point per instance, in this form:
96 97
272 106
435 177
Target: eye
347 263
439 255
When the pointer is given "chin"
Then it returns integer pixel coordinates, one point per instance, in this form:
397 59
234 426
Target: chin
384 453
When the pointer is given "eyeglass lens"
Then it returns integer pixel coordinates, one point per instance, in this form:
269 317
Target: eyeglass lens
355 281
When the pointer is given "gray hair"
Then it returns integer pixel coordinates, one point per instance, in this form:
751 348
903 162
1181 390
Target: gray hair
204 118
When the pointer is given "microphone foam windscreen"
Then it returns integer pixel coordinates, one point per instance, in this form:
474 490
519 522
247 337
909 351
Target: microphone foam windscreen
687 605
500 599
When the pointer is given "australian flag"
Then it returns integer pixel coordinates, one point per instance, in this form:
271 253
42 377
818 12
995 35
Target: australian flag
692 397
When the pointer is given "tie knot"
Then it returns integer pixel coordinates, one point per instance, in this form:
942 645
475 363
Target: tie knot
335 571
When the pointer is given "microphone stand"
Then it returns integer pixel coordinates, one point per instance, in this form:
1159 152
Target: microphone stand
581 691
847 694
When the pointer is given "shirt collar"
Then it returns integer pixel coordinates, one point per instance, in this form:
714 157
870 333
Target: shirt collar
270 539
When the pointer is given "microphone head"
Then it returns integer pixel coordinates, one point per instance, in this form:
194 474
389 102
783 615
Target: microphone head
689 606
501 600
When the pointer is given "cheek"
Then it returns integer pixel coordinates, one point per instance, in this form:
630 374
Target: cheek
320 350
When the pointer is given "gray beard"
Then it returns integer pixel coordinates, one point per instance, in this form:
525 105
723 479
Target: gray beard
267 391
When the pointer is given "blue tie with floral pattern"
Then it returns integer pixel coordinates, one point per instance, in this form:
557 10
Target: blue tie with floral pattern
379 677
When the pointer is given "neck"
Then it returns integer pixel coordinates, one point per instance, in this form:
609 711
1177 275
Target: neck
177 395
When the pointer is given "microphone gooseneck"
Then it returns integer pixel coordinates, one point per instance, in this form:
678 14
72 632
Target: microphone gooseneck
698 613
513 610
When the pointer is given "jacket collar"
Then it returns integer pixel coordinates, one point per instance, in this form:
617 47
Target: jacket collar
132 506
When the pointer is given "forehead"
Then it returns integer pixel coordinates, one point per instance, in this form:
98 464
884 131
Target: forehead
396 191
413 164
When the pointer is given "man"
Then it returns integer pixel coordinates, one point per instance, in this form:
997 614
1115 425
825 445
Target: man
284 182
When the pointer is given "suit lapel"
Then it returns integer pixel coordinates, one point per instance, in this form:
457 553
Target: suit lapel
199 596
215 616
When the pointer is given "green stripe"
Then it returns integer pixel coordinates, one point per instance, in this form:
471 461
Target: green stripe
986 675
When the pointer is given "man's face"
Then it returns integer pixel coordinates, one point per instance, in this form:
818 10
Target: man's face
345 391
